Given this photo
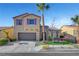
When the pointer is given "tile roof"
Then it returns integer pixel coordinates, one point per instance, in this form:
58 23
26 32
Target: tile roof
25 14
69 26
5 27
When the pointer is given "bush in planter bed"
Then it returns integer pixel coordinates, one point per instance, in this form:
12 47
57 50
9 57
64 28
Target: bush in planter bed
3 41
50 38
67 42
12 40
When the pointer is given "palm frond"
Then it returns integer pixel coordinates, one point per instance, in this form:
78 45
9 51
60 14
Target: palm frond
37 5
47 7
43 4
75 19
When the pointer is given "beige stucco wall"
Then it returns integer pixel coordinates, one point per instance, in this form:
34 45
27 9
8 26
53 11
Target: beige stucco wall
27 28
70 30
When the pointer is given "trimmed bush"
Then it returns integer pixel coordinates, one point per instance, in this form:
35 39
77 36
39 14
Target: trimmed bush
3 41
59 43
50 38
13 40
67 41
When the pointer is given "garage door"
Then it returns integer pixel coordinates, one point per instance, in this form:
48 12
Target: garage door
27 36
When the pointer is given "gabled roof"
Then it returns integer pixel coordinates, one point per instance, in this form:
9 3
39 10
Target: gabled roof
26 14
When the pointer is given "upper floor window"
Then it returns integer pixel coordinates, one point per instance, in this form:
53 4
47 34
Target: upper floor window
31 21
19 22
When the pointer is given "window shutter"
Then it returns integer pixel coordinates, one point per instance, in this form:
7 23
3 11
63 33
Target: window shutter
35 21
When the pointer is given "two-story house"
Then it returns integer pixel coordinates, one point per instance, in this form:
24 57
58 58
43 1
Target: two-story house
27 27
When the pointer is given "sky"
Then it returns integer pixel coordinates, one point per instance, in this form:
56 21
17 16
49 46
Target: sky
58 14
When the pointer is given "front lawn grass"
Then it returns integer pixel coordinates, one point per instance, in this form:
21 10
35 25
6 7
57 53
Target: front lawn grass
3 41
58 43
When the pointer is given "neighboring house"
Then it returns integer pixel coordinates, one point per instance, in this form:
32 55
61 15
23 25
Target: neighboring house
6 29
27 27
54 33
71 30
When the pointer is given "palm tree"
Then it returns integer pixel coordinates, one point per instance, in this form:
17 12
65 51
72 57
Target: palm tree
42 7
75 19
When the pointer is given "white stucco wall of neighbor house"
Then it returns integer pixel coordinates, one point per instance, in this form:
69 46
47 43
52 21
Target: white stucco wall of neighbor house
55 33
27 28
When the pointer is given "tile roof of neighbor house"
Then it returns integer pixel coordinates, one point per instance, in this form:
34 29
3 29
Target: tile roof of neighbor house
1 28
69 26
26 14
45 26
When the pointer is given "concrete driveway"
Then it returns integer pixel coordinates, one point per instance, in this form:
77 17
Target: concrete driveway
17 47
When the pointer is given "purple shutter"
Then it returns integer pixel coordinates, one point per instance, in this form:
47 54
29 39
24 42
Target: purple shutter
35 21
27 21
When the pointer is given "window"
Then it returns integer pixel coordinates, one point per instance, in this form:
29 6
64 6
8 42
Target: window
31 21
18 22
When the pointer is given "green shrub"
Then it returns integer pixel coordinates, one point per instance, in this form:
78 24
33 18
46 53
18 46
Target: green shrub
57 43
50 38
3 41
67 41
13 40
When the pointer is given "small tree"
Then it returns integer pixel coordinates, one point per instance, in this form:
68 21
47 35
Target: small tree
7 34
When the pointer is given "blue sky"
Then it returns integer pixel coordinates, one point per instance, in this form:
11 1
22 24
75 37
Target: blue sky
60 12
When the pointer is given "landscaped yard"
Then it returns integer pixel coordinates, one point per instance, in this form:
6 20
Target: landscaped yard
3 41
58 43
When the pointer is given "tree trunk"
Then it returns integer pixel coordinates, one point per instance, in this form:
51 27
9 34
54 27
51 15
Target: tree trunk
43 29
